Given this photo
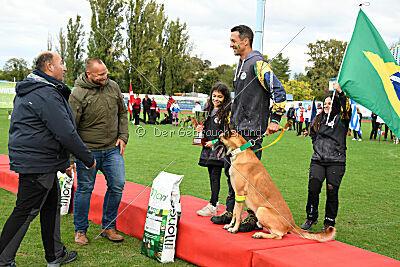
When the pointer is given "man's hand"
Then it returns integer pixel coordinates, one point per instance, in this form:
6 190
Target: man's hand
121 145
272 128
94 165
69 170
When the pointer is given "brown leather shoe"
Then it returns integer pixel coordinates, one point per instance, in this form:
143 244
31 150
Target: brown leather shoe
81 239
112 235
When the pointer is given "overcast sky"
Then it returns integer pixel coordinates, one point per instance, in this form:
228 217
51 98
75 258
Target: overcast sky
26 24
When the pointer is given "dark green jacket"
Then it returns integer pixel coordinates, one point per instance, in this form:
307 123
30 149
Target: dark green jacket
100 113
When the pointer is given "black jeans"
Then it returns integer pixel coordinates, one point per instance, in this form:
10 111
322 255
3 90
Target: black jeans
230 200
333 175
36 193
299 128
136 115
215 180
146 112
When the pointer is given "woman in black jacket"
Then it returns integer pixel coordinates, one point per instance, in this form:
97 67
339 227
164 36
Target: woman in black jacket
218 110
328 133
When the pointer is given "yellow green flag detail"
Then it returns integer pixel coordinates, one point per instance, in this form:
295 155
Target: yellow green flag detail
370 75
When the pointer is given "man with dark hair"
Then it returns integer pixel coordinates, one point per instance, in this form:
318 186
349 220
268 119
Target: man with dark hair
42 134
146 108
255 84
102 122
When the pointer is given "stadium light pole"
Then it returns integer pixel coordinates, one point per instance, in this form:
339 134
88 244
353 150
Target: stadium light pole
259 32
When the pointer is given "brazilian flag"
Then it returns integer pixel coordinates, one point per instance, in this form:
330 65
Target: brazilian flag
370 75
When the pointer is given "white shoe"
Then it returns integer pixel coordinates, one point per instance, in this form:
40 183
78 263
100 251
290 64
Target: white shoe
353 139
360 140
207 210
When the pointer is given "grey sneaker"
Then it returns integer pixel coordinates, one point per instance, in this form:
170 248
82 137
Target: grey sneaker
207 210
69 256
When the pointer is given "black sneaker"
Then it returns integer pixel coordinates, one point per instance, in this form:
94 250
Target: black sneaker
308 224
224 218
249 224
69 256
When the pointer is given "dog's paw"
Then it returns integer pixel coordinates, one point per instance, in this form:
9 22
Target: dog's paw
227 226
257 235
232 230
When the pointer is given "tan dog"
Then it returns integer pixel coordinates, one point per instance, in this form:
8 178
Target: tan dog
249 178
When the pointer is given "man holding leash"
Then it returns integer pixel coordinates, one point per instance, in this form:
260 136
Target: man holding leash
255 84
102 123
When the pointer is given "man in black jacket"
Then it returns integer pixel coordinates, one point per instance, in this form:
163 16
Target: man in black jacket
255 84
291 116
42 134
146 107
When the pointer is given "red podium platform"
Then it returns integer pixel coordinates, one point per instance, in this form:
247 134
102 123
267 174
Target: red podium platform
203 243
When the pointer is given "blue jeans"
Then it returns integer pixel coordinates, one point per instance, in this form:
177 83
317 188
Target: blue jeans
111 163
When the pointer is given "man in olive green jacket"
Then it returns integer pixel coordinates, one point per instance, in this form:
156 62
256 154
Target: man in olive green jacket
102 123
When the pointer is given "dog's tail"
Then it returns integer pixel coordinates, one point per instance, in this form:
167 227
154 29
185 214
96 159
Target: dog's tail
321 236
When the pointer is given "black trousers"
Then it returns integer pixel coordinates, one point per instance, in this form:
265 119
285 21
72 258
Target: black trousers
374 131
136 115
36 193
299 128
356 134
215 182
387 131
230 200
146 112
333 175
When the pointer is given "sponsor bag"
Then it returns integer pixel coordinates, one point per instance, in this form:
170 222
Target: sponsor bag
66 184
162 218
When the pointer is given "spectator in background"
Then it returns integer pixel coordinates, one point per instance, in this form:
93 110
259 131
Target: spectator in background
307 118
319 108
146 107
197 107
175 113
291 116
375 125
300 119
357 136
386 133
158 114
169 104
136 109
153 108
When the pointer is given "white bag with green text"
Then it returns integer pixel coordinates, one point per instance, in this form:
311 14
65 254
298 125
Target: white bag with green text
162 218
66 184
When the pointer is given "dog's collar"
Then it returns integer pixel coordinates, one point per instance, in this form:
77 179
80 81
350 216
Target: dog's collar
242 148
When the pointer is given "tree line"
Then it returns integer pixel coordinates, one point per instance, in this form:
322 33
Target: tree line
140 45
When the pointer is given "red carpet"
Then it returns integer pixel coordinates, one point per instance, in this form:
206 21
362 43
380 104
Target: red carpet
203 243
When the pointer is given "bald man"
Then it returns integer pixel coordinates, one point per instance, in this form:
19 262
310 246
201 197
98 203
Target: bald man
102 122
42 134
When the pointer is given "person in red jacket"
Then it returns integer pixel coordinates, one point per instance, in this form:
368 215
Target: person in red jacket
169 104
136 108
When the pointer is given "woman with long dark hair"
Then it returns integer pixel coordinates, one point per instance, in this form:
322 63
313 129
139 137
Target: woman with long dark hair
218 109
328 133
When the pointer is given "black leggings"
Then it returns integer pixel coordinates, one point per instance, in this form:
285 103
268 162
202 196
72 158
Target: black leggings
333 175
215 179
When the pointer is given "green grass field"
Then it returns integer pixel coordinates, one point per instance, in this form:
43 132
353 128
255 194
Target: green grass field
369 207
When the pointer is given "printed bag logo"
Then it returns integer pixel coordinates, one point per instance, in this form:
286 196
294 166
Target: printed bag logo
157 196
